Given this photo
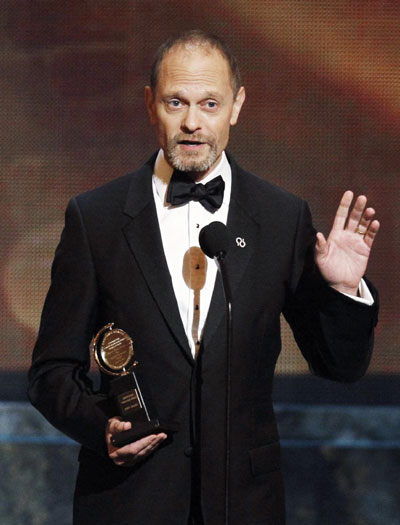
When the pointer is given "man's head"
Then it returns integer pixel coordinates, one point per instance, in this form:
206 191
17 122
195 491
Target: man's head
194 97
200 38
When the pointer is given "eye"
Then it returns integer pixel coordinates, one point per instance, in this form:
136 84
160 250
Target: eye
210 105
174 103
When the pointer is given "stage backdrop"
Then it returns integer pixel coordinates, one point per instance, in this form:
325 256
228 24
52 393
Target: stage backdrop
322 115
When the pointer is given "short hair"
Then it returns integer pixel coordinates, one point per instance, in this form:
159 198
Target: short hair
201 38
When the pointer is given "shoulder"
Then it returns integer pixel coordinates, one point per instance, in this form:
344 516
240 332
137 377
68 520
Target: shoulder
113 192
262 195
111 197
265 188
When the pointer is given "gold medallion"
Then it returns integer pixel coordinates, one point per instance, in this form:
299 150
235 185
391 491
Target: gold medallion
113 350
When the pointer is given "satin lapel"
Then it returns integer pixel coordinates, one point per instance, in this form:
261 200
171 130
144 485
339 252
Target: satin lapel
143 235
243 228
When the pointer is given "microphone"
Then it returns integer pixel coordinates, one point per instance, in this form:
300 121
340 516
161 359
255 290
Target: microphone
214 240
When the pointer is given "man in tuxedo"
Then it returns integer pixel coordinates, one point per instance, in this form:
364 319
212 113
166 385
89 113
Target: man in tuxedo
129 254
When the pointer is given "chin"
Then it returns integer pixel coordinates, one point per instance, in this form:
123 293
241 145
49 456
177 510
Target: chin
192 163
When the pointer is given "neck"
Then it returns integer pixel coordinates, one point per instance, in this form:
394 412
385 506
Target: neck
197 176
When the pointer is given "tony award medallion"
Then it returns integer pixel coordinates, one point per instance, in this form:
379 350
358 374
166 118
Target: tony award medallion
113 351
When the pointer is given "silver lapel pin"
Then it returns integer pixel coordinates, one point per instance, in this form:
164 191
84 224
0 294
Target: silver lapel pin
240 242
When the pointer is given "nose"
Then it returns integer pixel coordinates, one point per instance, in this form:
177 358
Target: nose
191 120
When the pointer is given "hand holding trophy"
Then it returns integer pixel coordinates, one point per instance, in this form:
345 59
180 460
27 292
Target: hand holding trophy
113 352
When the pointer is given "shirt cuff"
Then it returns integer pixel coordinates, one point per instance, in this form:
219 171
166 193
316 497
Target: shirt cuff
364 297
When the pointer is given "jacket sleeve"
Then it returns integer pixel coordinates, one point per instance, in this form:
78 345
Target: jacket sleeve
58 383
334 333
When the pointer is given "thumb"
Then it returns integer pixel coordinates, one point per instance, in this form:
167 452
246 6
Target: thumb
320 244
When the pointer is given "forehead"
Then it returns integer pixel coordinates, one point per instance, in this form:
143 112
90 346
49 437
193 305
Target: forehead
194 67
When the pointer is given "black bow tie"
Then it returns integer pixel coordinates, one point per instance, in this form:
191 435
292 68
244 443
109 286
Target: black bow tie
182 189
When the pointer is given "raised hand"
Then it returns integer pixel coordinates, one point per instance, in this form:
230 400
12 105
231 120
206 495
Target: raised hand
342 258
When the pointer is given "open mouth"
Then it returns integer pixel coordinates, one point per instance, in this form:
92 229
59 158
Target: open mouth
192 143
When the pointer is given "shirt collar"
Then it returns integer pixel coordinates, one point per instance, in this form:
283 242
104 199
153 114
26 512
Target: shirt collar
163 173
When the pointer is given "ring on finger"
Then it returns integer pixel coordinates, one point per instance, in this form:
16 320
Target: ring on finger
357 230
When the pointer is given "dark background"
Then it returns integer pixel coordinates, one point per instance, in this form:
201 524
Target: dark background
322 115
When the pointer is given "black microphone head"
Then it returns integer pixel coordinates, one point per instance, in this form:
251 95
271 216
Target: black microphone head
214 239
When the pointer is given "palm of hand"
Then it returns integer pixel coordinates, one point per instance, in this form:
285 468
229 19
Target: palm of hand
342 259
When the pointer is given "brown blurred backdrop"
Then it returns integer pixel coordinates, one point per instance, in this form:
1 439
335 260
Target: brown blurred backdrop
322 115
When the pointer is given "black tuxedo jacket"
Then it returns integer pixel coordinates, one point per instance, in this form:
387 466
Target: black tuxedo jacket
110 267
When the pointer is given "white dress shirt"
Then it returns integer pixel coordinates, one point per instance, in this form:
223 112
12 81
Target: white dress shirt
180 227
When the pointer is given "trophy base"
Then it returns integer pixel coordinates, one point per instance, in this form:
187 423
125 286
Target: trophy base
140 429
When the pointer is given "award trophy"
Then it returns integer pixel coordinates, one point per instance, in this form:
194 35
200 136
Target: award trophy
113 351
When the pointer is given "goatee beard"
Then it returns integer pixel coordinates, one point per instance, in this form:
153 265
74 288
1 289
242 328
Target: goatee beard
189 162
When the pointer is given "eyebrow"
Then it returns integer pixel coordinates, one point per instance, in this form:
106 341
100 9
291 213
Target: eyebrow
181 95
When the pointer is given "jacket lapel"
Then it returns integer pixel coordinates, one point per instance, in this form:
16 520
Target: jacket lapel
143 235
243 227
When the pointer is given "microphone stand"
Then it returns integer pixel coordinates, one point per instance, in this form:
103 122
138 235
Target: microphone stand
220 260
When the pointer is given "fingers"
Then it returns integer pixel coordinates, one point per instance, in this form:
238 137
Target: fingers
115 425
133 452
369 237
151 443
367 226
343 211
364 222
357 214
359 219
136 451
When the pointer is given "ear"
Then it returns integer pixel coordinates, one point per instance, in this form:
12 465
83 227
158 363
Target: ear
237 105
149 99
